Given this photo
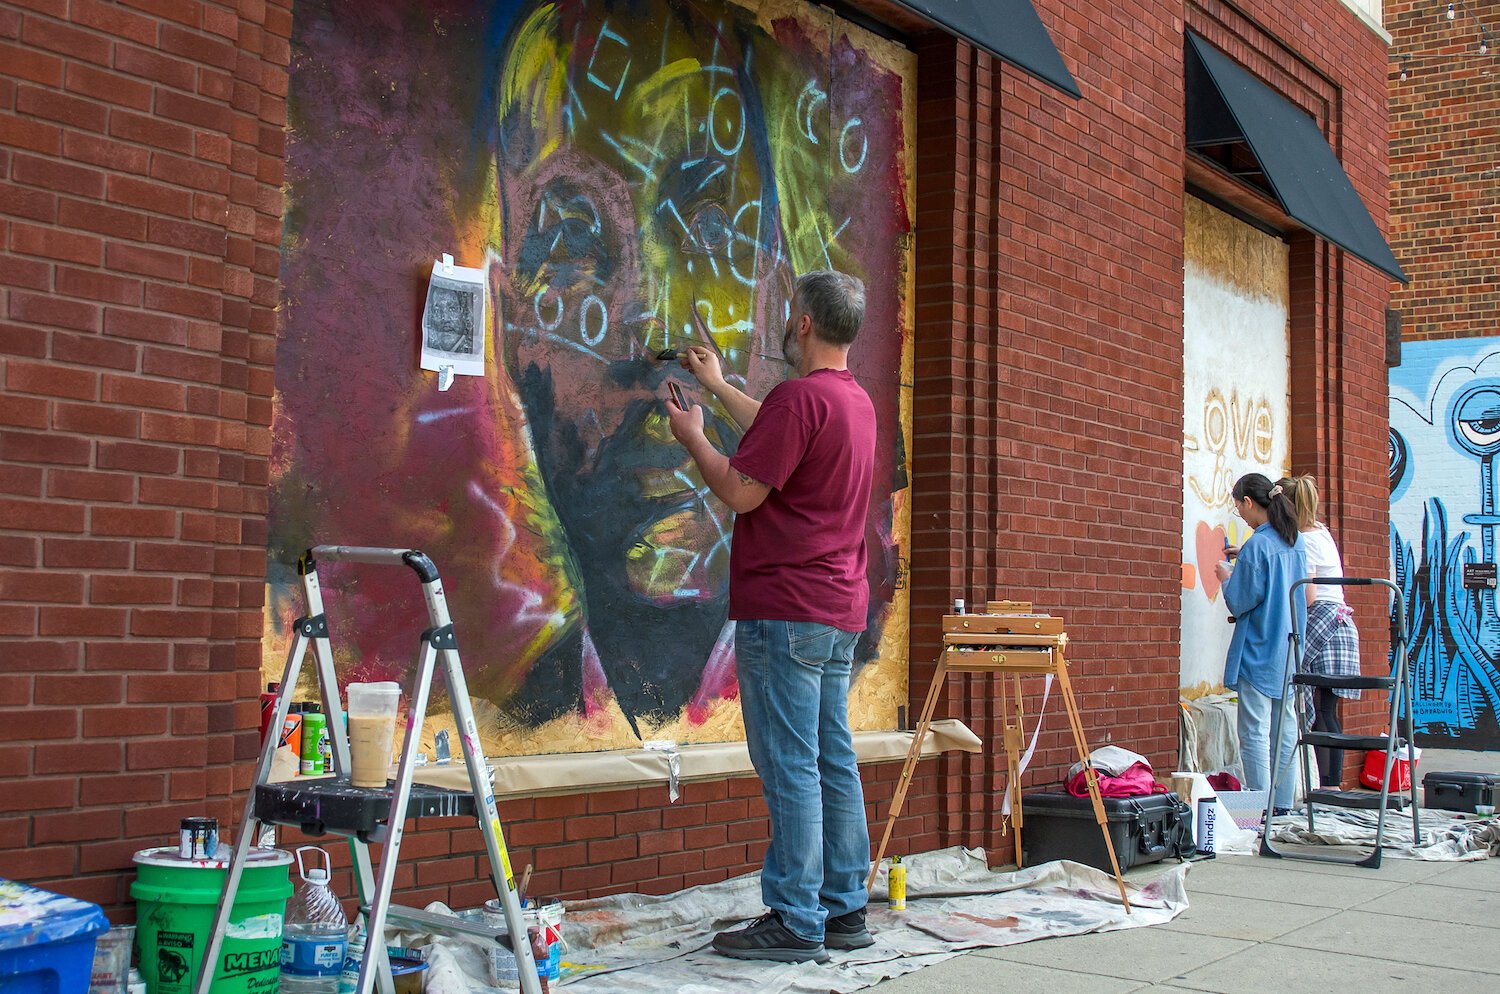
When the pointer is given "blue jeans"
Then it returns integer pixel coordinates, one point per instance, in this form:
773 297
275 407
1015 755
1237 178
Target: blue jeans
794 693
1254 724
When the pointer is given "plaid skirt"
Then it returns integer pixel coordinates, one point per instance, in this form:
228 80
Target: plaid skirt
1331 645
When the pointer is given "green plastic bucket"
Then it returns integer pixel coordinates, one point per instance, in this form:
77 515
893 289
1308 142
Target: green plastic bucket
176 900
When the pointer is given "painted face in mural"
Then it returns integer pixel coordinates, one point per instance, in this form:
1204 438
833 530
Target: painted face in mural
633 176
633 184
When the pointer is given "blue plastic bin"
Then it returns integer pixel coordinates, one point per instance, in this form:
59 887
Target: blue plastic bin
46 941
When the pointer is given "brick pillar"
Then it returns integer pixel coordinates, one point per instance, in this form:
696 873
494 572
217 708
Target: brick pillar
954 422
140 214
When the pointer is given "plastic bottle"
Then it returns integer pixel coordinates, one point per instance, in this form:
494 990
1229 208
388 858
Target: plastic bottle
316 933
353 957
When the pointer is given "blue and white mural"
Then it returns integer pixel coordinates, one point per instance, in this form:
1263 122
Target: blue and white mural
1445 511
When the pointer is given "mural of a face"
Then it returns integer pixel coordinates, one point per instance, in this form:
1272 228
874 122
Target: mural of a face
634 218
632 177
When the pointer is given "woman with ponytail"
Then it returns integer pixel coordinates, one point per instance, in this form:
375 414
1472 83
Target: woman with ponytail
1257 592
1331 645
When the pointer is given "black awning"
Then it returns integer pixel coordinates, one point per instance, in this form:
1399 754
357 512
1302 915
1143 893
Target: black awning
1227 106
1008 29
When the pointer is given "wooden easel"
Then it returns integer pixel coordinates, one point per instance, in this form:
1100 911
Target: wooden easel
1008 639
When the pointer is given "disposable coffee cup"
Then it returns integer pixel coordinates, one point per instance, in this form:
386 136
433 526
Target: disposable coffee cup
372 731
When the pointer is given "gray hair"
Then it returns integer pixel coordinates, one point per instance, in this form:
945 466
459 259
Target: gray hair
836 303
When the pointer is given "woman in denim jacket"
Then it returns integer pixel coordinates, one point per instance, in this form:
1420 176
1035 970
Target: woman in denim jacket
1256 591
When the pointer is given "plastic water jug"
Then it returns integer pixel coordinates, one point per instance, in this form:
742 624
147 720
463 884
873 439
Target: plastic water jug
316 933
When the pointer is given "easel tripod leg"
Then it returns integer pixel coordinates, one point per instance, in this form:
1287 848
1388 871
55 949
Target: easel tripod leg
1011 737
1076 723
913 756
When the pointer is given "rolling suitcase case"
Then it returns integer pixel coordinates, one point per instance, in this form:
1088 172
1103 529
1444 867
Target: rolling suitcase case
1144 829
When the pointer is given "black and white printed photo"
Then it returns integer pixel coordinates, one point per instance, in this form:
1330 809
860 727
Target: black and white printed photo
453 320
449 322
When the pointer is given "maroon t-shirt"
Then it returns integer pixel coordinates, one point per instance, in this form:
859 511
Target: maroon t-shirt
800 555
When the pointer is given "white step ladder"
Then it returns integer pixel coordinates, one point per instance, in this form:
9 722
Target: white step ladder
366 815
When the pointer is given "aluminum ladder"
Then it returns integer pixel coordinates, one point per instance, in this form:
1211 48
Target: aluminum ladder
375 815
1399 733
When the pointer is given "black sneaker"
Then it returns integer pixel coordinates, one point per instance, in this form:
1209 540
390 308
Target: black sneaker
847 931
766 938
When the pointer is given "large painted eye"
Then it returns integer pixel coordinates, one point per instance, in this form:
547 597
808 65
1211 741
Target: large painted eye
1476 420
563 245
1481 431
710 228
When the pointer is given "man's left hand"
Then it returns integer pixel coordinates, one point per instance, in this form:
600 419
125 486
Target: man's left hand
686 425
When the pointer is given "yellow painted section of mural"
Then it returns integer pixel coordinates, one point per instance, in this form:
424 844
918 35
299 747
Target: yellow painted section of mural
1236 410
639 180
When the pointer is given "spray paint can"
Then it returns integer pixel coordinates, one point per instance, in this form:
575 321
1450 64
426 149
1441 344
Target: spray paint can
267 709
896 885
1203 831
198 838
291 731
314 740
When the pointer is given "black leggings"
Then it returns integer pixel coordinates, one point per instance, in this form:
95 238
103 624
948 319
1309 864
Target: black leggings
1326 719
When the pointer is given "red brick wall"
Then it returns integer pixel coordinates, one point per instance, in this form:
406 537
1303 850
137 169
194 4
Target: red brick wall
1444 139
139 216
141 150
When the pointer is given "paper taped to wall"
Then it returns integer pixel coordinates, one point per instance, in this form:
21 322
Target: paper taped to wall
453 320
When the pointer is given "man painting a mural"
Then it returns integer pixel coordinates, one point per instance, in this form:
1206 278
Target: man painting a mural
637 180
798 596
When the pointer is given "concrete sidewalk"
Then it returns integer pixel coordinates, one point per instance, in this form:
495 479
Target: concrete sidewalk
1264 926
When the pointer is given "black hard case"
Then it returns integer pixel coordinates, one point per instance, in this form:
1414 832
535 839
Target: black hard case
1459 791
1144 829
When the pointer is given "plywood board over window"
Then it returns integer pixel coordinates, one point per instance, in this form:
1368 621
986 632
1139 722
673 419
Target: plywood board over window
1236 409
631 178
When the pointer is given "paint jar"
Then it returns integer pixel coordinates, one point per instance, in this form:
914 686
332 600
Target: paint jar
198 838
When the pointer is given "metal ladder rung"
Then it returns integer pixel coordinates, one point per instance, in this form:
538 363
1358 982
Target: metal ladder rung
1343 682
1356 799
1333 740
445 924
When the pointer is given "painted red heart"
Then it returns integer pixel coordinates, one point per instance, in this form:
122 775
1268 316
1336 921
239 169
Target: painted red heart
1210 542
